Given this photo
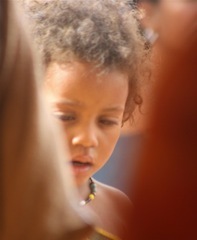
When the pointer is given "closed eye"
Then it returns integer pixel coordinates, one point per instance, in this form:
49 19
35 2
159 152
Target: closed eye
108 122
64 117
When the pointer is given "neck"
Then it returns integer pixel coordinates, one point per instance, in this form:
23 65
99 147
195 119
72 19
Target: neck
83 189
87 192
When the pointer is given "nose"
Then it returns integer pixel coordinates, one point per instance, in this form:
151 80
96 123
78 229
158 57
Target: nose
86 137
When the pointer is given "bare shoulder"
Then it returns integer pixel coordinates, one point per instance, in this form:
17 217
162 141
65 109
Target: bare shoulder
111 206
112 194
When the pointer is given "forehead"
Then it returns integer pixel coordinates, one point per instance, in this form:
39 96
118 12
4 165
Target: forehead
84 82
83 72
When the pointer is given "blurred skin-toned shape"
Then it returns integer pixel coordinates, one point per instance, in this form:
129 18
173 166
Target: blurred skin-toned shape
165 186
174 21
165 189
37 198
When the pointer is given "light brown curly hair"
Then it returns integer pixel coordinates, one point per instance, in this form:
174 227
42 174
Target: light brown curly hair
102 32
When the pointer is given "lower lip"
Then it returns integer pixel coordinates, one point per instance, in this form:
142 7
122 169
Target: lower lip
80 169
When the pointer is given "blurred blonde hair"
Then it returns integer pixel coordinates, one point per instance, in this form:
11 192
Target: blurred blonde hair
36 200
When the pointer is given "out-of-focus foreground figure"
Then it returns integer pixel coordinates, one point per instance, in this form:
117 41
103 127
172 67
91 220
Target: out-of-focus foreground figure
36 199
165 194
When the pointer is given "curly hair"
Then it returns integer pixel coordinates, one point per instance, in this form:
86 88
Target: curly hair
102 32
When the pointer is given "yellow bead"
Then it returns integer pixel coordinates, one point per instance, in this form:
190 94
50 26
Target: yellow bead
91 196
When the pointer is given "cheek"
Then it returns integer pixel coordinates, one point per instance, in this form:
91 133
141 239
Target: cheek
67 132
109 140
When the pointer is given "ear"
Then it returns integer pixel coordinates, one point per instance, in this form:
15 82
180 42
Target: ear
149 16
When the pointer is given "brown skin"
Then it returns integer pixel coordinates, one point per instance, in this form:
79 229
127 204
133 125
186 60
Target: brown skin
90 107
111 213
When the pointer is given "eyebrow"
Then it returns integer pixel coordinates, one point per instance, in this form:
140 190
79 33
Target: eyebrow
68 102
77 103
114 109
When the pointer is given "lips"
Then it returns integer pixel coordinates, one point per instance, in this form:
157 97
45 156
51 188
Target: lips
81 164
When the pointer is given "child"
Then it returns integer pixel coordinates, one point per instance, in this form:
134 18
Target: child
91 51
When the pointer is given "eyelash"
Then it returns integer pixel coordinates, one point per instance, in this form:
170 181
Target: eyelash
70 118
107 122
64 117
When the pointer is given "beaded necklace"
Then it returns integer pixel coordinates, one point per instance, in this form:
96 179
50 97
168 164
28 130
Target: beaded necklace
92 194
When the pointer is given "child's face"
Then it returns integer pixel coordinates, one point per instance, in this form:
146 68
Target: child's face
90 108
